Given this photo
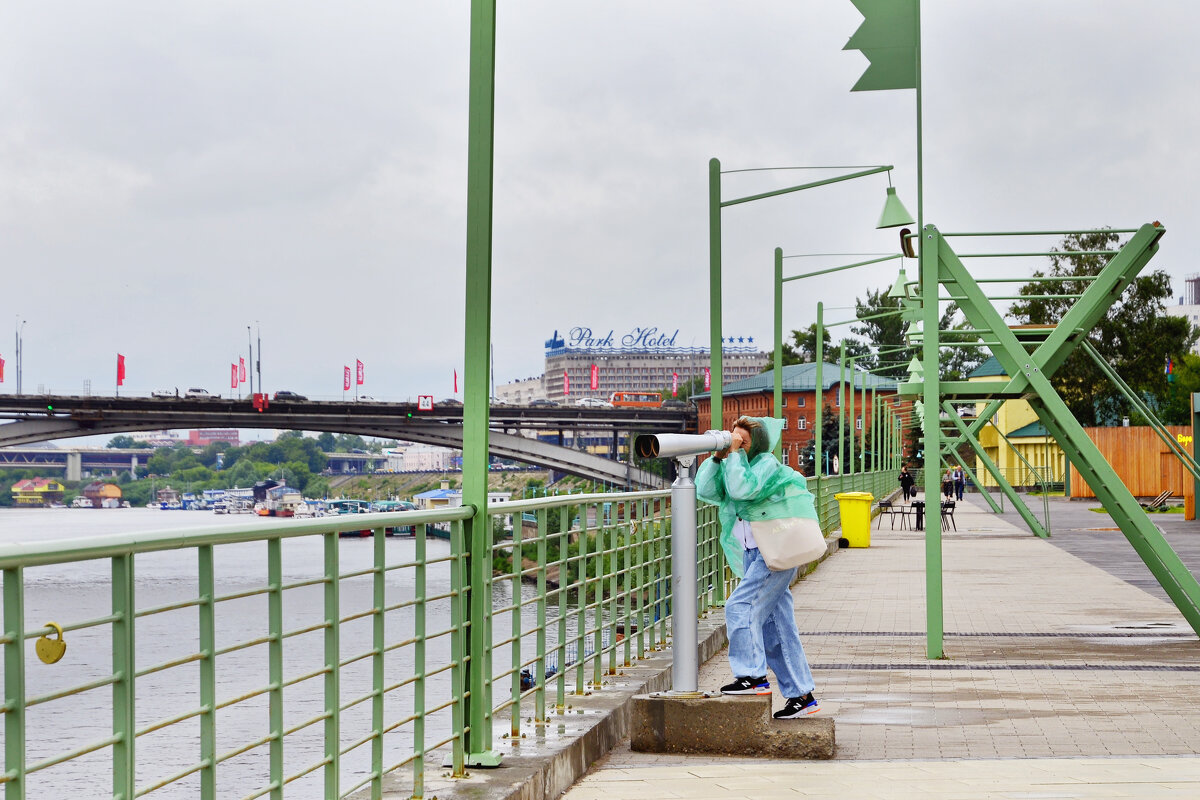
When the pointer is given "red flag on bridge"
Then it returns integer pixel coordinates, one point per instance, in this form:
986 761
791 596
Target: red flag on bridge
674 384
233 376
595 377
566 383
359 375
241 370
345 379
120 370
456 381
707 379
1 370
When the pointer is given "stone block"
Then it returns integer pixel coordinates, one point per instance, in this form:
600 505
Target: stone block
663 723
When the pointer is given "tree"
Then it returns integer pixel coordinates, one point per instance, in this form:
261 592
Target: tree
1135 336
326 442
829 443
125 442
885 335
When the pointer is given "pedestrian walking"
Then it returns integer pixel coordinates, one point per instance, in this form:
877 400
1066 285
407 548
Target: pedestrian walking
960 482
948 484
747 482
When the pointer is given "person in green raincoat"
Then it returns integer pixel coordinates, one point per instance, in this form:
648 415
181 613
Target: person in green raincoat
746 482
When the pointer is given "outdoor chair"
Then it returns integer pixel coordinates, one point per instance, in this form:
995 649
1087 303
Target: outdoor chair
948 514
889 508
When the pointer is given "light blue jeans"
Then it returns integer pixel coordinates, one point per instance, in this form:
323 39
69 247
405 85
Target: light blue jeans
761 624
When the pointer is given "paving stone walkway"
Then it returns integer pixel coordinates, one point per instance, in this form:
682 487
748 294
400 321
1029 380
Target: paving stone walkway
1060 678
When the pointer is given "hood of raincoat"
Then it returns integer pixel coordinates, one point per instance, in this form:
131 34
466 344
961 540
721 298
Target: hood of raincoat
778 491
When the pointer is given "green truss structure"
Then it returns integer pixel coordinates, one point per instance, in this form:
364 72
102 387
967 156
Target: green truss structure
1031 363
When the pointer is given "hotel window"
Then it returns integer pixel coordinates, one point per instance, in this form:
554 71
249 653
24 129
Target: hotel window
785 401
801 423
800 401
787 456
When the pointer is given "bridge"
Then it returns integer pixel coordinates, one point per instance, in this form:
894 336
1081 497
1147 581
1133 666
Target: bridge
41 418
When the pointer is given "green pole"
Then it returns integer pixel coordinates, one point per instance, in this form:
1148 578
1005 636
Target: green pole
124 664
841 412
275 663
478 532
779 334
208 670
932 432
819 391
14 682
778 342
716 419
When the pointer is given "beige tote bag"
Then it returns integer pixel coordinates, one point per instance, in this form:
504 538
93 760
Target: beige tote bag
787 543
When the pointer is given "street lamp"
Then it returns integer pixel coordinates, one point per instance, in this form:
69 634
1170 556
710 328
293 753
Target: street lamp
19 346
894 215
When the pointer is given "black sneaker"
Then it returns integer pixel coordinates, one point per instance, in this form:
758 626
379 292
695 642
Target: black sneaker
747 686
798 707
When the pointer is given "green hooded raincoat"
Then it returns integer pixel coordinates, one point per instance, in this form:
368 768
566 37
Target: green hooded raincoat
753 489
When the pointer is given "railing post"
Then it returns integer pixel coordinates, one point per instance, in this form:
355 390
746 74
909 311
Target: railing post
208 672
333 616
275 662
379 580
539 679
14 682
419 609
123 663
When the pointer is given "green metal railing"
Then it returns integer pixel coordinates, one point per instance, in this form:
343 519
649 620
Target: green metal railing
580 595
361 665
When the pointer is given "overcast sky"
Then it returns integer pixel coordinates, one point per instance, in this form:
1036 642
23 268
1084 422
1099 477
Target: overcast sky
171 173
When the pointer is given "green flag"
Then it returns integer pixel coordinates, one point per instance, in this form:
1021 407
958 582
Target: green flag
888 37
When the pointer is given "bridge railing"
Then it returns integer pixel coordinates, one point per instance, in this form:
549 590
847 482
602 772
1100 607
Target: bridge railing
338 661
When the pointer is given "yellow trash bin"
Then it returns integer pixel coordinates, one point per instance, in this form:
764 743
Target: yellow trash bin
855 508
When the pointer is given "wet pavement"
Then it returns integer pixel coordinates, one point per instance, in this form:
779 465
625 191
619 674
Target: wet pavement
1066 673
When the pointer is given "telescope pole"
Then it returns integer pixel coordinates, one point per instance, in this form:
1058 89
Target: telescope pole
685 673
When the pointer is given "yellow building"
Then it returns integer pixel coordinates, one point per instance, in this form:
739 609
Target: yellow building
37 492
1030 456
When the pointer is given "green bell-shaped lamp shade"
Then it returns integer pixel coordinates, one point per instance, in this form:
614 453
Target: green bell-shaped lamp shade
915 332
898 288
894 213
915 368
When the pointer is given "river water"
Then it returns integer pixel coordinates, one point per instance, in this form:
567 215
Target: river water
79 591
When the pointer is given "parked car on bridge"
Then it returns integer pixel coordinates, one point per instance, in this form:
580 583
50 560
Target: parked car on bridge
593 402
284 394
165 393
197 393
541 401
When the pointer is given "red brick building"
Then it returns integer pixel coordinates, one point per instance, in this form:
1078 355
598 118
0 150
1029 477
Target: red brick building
754 397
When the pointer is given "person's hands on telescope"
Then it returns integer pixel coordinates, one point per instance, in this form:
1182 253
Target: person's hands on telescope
720 454
739 441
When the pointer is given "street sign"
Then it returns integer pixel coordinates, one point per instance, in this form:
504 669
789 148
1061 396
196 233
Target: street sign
424 402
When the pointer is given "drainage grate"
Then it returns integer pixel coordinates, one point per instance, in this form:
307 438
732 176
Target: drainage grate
1144 633
940 665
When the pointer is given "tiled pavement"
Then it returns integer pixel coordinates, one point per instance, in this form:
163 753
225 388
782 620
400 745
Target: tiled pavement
1059 680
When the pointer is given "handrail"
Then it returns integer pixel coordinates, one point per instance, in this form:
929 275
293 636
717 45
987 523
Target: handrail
66 550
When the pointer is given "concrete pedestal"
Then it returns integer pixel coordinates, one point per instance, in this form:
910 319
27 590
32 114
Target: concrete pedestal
727 726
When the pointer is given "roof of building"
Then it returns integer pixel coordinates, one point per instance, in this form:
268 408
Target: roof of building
988 369
439 494
1032 429
802 378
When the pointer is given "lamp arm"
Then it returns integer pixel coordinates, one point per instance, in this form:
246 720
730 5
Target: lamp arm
803 186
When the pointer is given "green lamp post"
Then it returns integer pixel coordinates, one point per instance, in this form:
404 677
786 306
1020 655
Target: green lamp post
894 214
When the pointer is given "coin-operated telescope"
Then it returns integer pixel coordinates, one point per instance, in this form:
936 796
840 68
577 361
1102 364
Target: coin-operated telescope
683 447
680 445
